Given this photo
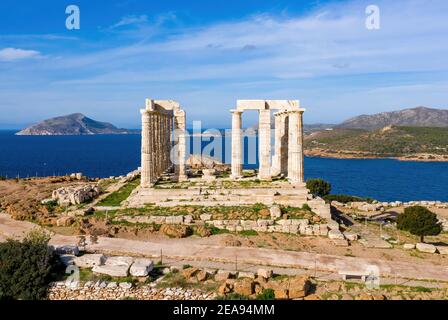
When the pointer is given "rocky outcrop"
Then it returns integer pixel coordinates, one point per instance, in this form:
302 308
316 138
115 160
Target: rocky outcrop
74 195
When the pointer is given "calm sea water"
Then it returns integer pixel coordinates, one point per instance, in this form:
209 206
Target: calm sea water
113 155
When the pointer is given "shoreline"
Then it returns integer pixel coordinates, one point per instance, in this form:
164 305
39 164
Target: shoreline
359 156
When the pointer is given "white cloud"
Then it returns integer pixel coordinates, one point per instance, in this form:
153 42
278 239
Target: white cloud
13 54
130 20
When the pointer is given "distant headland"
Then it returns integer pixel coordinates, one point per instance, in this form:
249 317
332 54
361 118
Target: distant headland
73 124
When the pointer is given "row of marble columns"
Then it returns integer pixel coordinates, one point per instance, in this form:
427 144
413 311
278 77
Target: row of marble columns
157 144
288 148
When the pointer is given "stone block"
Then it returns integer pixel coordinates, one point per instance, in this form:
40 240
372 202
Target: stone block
409 246
351 236
275 212
205 217
442 249
112 270
119 261
265 273
90 260
174 220
141 267
336 235
244 287
425 247
222 275
246 274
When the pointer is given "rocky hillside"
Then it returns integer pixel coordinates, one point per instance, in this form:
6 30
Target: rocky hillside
418 117
73 124
412 143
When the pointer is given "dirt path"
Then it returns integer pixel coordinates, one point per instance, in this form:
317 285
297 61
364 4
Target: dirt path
199 250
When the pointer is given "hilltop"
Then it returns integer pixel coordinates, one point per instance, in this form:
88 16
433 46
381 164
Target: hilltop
402 142
415 117
72 124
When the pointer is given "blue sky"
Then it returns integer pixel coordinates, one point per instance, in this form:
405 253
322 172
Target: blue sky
208 54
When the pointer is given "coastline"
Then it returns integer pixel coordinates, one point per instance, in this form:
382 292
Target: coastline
419 157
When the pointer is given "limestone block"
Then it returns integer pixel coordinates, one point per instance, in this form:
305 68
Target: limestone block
265 273
284 222
260 229
323 230
248 223
316 230
239 228
174 220
90 260
351 236
222 275
246 274
158 219
205 217
119 261
188 219
141 267
275 212
336 235
294 229
304 222
112 270
409 246
442 249
231 228
425 247
262 222
125 285
285 229
309 231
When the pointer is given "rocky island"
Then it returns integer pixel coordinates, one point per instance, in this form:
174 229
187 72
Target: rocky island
72 124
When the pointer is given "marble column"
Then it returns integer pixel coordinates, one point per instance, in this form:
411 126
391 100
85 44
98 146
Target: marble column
279 154
295 147
264 144
237 147
284 145
146 156
181 144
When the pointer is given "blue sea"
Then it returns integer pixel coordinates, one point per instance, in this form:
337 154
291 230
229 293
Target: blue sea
113 155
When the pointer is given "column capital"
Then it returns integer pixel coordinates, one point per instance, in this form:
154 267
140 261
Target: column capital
236 111
301 110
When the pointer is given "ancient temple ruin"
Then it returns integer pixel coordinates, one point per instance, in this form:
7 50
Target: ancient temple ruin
163 126
288 155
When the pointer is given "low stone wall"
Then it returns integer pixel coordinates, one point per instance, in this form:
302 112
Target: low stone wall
294 226
121 291
379 206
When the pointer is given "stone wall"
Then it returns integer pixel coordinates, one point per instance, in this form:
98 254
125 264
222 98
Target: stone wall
121 291
294 226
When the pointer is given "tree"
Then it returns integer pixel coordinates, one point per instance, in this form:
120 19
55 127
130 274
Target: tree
419 221
318 187
25 267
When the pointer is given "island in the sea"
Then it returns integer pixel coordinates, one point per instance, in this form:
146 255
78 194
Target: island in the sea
73 124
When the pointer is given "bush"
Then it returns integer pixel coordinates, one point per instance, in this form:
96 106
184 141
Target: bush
267 294
26 267
318 187
343 198
419 221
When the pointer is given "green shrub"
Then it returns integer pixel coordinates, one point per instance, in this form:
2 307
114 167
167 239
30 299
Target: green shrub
26 267
318 187
343 198
419 221
232 296
267 294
